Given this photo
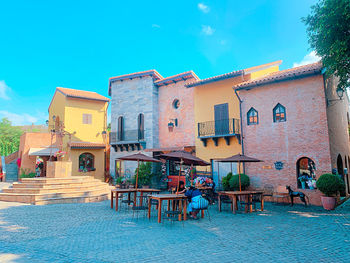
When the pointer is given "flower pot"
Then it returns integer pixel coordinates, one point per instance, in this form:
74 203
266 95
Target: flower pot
302 185
328 202
145 186
118 185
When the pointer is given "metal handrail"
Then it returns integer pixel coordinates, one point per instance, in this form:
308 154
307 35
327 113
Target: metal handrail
126 136
219 128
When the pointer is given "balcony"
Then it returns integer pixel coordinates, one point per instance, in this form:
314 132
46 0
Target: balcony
127 140
214 130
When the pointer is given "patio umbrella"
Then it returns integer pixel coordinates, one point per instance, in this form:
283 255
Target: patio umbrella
184 158
138 157
239 158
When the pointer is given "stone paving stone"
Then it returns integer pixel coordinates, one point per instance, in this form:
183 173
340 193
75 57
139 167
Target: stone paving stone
94 232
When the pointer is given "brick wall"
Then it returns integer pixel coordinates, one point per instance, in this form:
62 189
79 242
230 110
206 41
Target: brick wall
184 133
304 134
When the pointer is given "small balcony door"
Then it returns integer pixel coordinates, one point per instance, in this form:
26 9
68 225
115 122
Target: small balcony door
222 125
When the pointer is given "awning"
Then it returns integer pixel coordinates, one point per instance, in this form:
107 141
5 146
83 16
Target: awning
87 145
42 151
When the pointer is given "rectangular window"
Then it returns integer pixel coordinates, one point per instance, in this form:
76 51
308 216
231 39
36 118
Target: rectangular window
87 118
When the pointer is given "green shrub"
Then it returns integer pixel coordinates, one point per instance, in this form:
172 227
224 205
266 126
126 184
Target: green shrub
145 173
234 182
226 182
330 184
29 175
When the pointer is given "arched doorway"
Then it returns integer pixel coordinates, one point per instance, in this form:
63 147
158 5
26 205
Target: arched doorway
306 173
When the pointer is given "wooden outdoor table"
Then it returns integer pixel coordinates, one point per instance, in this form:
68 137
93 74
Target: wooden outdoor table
169 197
234 194
115 194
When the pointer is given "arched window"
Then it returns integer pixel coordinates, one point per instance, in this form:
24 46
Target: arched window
305 173
86 162
252 117
120 135
141 126
279 113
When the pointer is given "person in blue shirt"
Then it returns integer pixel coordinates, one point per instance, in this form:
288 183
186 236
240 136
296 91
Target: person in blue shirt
196 201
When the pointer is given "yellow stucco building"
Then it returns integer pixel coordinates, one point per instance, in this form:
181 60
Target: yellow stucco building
83 115
218 119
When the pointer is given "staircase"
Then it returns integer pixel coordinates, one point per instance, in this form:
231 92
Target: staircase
42 191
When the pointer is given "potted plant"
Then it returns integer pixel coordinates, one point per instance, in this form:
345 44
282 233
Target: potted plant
302 179
329 185
131 182
311 183
119 181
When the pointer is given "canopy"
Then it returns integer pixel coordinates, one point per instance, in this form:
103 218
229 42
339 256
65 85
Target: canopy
185 157
42 151
139 157
239 158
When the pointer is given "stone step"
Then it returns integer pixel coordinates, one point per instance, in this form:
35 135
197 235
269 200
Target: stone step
56 189
72 179
33 198
67 200
40 185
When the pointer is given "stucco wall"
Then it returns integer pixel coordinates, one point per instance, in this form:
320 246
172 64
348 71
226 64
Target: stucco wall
337 111
305 133
56 108
32 140
98 163
73 121
129 99
184 133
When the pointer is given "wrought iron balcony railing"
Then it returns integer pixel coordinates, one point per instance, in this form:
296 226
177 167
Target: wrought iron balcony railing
127 136
219 128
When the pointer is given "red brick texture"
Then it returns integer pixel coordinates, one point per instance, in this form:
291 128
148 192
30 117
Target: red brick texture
305 132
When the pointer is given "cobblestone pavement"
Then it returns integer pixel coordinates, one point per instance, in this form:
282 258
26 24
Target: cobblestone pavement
96 233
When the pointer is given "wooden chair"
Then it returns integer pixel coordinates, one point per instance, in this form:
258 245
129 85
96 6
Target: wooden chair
281 194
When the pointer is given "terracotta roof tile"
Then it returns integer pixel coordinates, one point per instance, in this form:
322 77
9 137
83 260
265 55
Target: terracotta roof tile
215 78
82 94
86 145
178 77
301 71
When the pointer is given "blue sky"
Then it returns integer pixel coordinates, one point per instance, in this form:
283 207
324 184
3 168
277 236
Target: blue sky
80 44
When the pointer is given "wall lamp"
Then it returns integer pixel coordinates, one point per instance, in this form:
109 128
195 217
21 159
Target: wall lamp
340 93
172 123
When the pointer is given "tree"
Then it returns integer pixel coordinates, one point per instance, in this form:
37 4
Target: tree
328 28
9 137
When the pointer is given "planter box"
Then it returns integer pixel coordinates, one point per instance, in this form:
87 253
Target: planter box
59 169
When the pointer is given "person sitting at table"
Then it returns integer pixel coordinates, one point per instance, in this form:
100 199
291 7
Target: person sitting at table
181 187
196 201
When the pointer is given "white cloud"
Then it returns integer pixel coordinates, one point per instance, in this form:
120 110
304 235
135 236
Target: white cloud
308 59
3 90
204 8
18 119
155 26
207 30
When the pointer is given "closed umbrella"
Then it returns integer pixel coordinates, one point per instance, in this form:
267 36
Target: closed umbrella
184 158
238 158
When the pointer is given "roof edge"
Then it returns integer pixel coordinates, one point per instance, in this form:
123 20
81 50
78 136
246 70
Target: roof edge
215 78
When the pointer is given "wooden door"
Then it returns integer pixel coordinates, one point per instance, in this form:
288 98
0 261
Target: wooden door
221 119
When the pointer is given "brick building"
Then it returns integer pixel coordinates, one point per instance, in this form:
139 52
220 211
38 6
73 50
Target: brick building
295 122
